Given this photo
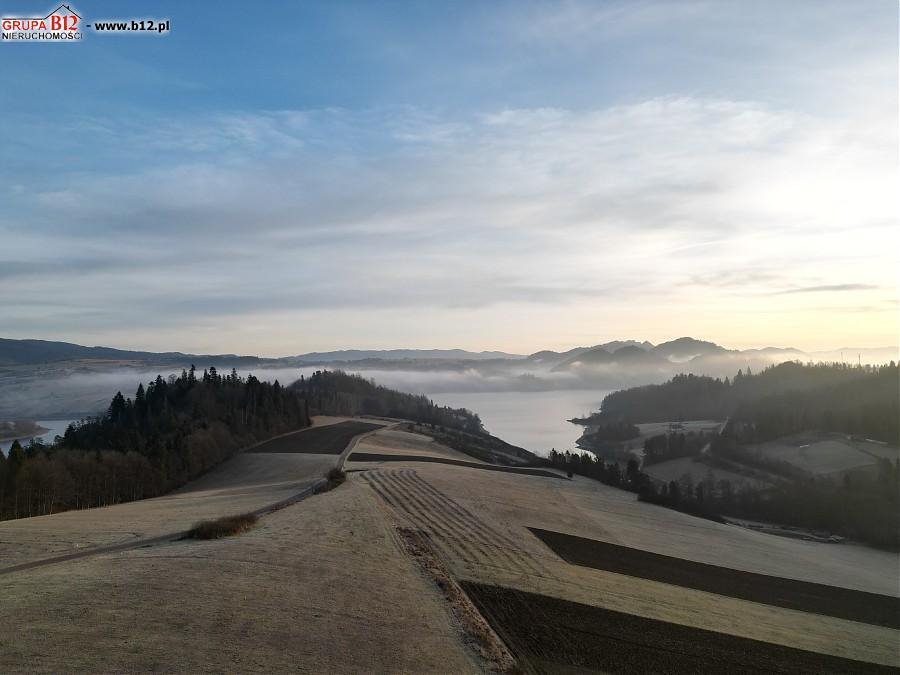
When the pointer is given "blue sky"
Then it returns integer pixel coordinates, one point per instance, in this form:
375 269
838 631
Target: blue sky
485 175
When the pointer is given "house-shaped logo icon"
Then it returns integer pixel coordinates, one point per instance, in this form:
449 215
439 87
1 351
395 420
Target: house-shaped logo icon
63 10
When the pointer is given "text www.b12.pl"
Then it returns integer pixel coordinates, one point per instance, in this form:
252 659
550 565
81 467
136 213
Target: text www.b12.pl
148 25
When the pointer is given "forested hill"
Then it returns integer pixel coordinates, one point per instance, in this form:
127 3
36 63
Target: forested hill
779 400
339 393
34 352
169 433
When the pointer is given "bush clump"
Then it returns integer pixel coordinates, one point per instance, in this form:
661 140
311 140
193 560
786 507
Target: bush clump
222 527
332 479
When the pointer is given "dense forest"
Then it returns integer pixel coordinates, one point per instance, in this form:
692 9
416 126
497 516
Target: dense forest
171 432
780 400
605 430
339 393
674 445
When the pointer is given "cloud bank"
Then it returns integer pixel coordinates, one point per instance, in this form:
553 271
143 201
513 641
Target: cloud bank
279 231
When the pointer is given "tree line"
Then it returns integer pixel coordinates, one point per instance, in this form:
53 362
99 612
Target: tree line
339 393
609 473
780 400
171 432
862 507
605 432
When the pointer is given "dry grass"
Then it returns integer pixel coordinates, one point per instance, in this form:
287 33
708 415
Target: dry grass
323 587
222 527
246 482
478 632
477 522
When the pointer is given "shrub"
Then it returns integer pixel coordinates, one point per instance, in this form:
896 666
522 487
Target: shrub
333 478
222 527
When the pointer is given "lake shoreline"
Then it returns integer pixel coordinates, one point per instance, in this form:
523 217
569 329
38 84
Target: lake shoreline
37 430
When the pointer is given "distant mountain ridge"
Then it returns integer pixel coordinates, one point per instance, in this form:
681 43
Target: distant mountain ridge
687 348
41 379
683 350
640 353
396 354
33 352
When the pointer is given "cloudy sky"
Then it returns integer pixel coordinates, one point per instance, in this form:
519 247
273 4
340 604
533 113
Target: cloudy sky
514 176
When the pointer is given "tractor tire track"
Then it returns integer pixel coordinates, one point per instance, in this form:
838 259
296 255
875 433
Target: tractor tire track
447 540
469 525
471 520
460 533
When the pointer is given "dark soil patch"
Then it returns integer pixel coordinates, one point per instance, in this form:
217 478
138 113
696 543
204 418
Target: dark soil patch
377 457
549 635
842 603
328 440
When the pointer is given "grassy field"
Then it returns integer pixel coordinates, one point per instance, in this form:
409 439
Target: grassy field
328 585
395 441
320 587
246 482
825 454
478 521
676 469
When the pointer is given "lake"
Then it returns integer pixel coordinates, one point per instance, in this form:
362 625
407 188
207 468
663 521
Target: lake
535 421
55 427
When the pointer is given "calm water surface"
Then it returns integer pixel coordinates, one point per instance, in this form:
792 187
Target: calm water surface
56 428
535 421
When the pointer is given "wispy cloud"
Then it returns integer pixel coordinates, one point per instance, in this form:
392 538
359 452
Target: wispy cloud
407 209
828 288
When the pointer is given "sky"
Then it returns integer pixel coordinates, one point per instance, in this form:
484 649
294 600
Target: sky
483 175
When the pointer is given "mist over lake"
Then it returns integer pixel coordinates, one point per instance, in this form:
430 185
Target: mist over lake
534 420
54 428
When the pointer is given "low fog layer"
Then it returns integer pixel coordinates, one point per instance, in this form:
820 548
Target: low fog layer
65 394
48 392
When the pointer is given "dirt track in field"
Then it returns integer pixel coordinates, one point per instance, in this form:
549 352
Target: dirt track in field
553 635
842 603
378 457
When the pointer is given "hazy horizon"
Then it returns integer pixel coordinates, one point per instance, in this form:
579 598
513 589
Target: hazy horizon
496 176
474 349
